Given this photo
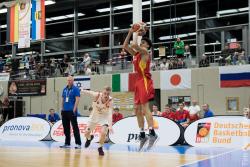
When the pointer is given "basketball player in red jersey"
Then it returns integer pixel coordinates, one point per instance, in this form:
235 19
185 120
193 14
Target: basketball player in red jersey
144 90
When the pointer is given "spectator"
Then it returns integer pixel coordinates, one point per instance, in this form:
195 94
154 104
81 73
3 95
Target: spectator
155 65
204 62
164 65
32 62
8 60
180 63
53 117
7 112
194 111
95 69
70 70
179 48
116 115
123 55
239 56
182 116
1 64
64 63
225 58
168 113
87 70
86 60
207 111
155 110
246 112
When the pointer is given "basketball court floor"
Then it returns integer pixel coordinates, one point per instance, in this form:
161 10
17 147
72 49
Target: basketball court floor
47 153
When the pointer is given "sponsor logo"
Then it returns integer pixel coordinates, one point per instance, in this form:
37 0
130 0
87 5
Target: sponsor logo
203 132
33 127
82 128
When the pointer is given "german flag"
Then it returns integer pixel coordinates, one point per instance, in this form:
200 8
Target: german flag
12 24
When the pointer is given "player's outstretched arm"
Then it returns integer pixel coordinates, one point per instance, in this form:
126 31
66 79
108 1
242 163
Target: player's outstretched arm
126 43
89 92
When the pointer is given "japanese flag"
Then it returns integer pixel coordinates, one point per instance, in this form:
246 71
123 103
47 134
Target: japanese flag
176 79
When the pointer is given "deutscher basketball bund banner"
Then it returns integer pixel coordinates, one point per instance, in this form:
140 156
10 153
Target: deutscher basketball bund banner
27 88
24 24
221 131
38 19
175 79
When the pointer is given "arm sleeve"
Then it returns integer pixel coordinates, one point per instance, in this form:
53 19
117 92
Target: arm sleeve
91 93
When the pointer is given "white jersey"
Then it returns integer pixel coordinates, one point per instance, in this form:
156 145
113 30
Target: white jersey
102 112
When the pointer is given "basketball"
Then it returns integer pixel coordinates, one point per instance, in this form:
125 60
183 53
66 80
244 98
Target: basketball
140 26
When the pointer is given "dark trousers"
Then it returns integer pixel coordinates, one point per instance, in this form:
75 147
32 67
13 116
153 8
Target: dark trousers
7 112
67 117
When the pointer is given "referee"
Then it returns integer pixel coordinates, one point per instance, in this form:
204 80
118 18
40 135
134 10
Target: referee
70 100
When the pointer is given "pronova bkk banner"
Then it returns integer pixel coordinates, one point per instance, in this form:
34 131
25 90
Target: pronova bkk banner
220 131
126 131
25 128
57 133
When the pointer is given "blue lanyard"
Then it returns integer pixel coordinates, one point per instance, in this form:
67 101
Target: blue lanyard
68 92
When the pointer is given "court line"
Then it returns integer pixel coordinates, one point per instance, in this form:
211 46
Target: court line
212 157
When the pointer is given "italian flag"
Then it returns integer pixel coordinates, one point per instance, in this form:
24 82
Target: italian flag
123 82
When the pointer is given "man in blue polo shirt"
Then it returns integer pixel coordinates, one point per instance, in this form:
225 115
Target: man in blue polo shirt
70 100
207 111
53 117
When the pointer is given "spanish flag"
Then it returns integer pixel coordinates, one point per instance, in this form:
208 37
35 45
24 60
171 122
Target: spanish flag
12 23
38 19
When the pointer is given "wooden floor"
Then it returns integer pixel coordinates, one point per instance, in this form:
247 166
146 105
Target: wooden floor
48 154
56 157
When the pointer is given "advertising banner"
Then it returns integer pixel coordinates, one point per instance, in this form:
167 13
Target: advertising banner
126 131
27 88
221 131
57 132
25 128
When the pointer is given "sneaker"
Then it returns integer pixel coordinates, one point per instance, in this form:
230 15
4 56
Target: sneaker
152 141
100 150
87 143
78 146
143 142
65 146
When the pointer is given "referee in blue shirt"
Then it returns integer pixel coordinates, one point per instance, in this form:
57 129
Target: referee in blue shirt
70 100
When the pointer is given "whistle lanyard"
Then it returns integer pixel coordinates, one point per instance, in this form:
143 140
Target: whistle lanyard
68 92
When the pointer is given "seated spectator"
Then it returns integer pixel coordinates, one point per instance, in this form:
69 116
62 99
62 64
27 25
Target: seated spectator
239 56
155 65
155 110
1 64
116 115
95 69
168 113
70 70
164 65
246 112
182 116
194 111
204 62
53 117
87 70
207 111
225 58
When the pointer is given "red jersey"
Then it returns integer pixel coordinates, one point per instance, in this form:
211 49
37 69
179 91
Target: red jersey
169 115
117 117
181 116
144 90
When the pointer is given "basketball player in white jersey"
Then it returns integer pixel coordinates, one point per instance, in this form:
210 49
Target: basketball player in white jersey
101 114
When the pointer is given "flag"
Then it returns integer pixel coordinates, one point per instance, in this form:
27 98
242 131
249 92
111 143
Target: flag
24 24
82 82
123 82
12 23
234 76
175 79
38 19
